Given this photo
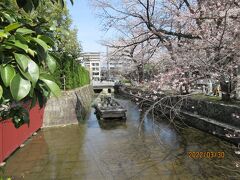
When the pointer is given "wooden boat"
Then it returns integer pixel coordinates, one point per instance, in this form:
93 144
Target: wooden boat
109 108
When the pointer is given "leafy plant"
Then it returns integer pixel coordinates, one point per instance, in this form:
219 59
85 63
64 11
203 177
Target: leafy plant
26 61
70 73
30 5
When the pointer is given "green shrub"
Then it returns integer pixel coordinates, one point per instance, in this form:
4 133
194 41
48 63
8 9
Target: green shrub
74 74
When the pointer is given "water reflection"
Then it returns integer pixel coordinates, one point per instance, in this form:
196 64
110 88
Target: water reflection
112 124
118 151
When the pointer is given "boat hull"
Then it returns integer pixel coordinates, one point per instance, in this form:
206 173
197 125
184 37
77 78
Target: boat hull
110 114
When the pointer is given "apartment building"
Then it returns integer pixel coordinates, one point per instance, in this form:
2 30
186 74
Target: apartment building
91 60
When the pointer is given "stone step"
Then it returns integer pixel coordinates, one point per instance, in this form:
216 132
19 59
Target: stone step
212 121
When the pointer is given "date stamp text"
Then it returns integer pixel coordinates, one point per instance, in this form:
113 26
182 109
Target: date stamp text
206 155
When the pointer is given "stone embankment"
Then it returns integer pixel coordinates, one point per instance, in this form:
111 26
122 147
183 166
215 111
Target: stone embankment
217 118
70 108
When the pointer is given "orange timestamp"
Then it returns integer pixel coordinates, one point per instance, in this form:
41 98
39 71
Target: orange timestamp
206 155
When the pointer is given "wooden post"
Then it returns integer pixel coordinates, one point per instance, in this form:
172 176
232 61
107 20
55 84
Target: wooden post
64 83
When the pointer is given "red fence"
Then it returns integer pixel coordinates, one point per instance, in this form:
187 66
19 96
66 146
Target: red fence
11 138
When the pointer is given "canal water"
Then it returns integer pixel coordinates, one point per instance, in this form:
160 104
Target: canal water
95 151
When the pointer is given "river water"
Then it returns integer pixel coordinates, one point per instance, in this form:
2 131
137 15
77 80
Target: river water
93 150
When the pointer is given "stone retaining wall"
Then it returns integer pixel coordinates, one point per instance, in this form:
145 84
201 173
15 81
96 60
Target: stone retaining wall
219 119
70 108
225 113
238 87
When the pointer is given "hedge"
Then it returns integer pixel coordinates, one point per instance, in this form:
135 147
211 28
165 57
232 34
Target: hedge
75 74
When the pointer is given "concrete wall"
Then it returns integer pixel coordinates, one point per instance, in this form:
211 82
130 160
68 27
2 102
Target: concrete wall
238 87
224 113
70 108
213 117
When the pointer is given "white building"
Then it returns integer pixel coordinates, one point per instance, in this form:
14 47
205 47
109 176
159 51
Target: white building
91 60
114 65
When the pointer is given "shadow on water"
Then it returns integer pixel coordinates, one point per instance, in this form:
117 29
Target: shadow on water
112 124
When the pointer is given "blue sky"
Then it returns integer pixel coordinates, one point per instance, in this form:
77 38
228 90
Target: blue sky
88 25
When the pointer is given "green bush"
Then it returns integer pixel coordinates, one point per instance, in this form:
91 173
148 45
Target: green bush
74 74
126 81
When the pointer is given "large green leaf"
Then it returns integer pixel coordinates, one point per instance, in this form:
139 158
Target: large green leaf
31 52
46 39
45 75
22 60
3 34
12 27
50 84
7 74
51 63
18 44
11 38
40 98
21 45
19 87
41 43
8 17
34 100
1 92
32 73
25 31
22 39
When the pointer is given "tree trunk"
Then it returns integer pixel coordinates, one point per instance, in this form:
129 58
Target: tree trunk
225 88
140 73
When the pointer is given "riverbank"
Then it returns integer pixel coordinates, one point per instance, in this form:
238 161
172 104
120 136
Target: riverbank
217 118
70 108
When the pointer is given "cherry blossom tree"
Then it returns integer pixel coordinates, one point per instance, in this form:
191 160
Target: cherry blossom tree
198 35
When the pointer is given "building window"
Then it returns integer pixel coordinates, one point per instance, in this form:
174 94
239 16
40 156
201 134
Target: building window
95 64
95 69
95 73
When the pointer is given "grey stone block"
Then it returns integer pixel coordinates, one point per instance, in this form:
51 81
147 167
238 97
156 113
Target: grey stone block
69 108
